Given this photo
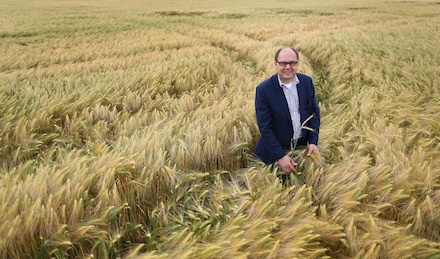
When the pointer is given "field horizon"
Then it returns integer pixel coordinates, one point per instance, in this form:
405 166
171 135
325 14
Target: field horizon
127 129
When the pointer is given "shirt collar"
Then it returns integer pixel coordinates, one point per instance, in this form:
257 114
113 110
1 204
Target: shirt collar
295 81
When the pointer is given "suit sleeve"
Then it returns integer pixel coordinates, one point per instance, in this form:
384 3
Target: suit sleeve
265 120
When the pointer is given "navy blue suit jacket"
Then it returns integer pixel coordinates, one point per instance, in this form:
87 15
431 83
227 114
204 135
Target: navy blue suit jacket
274 121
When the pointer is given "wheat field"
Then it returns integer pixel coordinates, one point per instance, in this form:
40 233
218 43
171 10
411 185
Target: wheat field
127 128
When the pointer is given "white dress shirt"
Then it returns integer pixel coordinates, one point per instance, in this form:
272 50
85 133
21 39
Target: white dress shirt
291 93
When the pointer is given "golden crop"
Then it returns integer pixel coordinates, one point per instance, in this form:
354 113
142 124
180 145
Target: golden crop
127 127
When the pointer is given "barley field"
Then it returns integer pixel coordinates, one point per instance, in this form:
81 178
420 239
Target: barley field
127 128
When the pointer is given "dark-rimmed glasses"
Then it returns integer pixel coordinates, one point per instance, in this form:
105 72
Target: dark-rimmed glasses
285 63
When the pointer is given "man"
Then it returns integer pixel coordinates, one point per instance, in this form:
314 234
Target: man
287 112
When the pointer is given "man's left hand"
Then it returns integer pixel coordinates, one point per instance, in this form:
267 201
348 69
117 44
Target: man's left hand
311 148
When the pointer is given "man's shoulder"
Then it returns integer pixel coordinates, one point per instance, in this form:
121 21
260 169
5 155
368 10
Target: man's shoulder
303 76
269 82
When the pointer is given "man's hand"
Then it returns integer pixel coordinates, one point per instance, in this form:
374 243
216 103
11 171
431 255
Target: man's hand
287 164
312 147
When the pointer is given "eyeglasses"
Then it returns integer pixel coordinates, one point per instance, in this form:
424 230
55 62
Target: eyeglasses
290 63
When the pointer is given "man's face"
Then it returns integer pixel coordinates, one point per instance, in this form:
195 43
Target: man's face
286 65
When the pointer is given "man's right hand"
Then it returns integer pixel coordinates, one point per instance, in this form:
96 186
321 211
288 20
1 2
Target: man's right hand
287 164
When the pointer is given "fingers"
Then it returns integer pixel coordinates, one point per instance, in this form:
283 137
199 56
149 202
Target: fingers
287 164
293 170
311 149
289 170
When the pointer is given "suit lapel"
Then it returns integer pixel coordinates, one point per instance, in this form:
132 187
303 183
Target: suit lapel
302 97
281 98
